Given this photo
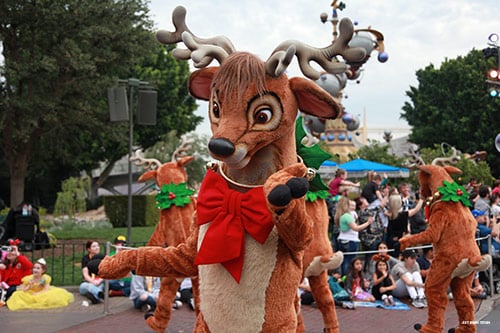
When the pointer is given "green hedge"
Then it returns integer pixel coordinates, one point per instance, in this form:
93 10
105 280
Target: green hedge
144 211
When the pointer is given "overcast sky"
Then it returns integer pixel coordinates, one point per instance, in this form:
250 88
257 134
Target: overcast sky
417 33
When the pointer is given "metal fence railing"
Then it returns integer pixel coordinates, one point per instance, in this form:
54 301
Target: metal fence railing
63 261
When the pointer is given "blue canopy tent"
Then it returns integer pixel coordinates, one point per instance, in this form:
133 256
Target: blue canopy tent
327 169
359 168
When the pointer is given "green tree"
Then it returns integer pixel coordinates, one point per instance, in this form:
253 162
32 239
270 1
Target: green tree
378 152
88 46
451 104
162 151
59 57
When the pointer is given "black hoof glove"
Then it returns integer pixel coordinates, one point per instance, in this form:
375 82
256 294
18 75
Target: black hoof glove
93 265
417 327
295 188
298 187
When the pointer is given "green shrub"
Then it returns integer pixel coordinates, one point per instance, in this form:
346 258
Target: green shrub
144 211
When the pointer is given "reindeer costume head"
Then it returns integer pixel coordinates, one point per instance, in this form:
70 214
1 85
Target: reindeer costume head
252 227
252 103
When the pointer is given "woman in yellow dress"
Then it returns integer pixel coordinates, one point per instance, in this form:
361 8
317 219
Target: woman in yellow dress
37 293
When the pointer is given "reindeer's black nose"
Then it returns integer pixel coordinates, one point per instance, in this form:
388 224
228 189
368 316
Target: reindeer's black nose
221 146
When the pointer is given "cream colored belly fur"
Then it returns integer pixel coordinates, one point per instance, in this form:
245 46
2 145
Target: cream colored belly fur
231 307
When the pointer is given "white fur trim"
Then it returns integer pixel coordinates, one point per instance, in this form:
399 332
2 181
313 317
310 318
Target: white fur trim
231 307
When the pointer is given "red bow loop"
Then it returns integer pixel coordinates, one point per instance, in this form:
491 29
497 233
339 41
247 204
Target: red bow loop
230 214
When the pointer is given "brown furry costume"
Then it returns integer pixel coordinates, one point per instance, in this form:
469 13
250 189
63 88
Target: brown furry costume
456 255
171 230
249 269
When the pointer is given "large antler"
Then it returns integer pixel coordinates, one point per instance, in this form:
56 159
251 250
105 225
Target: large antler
413 157
201 50
182 149
148 163
325 57
443 161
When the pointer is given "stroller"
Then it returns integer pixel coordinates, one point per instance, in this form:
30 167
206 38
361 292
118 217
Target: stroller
25 231
22 223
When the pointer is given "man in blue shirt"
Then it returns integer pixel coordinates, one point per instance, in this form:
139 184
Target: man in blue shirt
484 230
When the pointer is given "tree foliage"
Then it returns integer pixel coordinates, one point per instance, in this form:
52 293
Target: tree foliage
60 56
379 152
162 150
451 104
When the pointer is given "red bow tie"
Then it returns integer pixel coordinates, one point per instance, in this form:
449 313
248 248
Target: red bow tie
230 214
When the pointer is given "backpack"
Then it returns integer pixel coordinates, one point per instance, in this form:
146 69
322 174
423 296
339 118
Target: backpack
371 236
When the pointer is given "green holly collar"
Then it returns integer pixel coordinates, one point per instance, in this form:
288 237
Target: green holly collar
451 191
172 194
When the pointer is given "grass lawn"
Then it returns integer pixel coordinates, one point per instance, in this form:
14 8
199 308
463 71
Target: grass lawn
64 261
138 234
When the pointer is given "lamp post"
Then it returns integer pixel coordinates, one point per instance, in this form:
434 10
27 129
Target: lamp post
388 138
120 111
494 73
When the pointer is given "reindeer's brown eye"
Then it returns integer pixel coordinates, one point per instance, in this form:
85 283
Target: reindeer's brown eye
215 110
263 116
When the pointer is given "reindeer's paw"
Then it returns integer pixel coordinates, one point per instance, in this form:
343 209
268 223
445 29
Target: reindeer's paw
294 188
404 243
285 185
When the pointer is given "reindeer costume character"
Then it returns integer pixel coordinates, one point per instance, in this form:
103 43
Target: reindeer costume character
451 231
176 217
251 227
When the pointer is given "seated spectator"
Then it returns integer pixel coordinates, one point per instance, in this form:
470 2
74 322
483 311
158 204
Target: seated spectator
186 291
13 269
408 280
356 284
119 287
485 231
144 291
383 282
382 250
476 290
305 293
35 292
92 286
424 261
340 295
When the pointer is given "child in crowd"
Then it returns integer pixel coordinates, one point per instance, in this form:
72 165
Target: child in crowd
144 292
382 250
37 293
13 269
356 284
383 282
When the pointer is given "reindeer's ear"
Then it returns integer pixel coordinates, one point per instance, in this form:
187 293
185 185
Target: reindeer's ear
425 169
313 99
200 82
185 160
452 170
148 175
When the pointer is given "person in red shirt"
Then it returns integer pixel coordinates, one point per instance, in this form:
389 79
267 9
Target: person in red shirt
14 268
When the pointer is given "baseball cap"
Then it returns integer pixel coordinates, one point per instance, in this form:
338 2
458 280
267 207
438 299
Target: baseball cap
477 213
409 253
120 239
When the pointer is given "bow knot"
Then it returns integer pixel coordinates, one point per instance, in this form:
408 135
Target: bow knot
230 214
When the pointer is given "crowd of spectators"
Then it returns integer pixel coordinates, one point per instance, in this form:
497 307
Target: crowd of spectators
382 215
